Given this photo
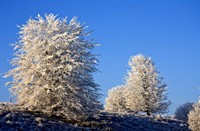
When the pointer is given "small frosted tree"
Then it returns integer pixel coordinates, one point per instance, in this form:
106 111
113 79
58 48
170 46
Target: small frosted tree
115 100
182 111
53 68
144 91
194 118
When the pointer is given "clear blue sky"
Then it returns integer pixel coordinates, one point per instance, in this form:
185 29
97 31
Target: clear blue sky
166 30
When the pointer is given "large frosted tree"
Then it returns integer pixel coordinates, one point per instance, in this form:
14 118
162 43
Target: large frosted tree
53 70
144 90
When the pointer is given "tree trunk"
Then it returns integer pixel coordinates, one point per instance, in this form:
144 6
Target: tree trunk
148 113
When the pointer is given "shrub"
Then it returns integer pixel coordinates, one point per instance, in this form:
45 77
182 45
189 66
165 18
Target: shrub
115 100
182 111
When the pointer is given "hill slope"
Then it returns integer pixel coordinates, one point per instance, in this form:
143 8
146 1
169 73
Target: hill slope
14 119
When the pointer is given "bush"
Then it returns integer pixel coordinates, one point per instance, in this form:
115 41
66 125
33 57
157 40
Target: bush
182 111
115 100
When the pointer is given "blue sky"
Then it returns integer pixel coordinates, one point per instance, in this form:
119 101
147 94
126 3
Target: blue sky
166 30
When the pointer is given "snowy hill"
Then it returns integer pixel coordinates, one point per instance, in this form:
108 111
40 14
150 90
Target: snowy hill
12 118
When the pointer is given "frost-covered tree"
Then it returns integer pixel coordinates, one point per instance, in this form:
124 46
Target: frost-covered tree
182 111
144 91
115 100
194 118
53 70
